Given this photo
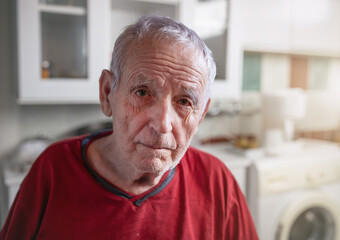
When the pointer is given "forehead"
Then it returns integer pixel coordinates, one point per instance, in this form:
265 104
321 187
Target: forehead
166 58
181 50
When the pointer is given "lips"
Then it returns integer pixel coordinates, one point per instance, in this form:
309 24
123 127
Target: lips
157 146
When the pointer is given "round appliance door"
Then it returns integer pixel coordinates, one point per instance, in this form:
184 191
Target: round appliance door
312 217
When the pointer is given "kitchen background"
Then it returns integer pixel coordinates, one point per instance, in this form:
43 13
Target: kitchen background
278 69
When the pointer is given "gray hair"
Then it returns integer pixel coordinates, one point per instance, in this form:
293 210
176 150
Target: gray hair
161 28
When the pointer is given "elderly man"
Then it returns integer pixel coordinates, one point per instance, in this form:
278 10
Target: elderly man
141 180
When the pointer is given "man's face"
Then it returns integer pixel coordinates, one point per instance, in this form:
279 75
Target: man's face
158 104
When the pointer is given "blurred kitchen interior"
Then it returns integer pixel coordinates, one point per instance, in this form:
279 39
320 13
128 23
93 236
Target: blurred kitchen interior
278 77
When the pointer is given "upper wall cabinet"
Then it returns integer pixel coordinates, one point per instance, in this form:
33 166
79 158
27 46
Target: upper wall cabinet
209 18
62 47
293 26
213 20
263 24
315 26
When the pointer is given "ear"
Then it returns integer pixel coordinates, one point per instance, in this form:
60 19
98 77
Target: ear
105 83
205 110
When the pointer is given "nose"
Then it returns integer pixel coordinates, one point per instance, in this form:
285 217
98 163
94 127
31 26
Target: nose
161 116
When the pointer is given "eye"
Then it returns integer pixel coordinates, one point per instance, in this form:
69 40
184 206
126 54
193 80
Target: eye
141 92
184 102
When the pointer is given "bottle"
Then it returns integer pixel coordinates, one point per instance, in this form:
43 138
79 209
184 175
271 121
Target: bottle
45 69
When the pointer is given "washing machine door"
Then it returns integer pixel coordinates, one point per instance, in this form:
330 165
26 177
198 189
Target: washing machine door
313 217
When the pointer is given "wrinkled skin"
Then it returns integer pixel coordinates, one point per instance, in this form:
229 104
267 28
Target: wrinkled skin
156 108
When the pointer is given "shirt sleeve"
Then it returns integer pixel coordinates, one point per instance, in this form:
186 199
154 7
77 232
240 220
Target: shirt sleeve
240 224
27 210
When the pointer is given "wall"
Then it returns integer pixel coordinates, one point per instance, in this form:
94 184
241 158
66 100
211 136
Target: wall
8 109
8 113
277 27
317 76
265 72
23 121
18 122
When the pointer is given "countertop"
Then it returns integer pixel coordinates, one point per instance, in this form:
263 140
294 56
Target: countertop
233 158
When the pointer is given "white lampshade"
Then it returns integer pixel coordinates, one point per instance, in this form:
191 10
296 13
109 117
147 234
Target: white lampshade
284 104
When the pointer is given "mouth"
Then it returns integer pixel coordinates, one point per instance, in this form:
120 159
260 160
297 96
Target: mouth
156 147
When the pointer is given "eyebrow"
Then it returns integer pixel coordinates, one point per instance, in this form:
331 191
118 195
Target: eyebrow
192 94
139 81
142 79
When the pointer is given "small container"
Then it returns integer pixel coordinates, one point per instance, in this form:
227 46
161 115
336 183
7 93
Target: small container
46 69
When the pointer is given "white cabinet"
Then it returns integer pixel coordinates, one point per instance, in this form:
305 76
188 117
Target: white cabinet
12 181
62 47
290 26
64 44
264 24
315 26
209 18
212 21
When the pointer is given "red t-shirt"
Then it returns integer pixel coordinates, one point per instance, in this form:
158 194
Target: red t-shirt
63 198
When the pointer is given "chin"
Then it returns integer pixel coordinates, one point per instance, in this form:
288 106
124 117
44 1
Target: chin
155 165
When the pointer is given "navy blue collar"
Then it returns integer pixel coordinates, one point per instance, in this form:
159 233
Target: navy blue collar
85 142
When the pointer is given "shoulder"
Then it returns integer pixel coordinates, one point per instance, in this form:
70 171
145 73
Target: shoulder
55 162
195 152
206 167
68 152
195 157
59 153
67 144
199 163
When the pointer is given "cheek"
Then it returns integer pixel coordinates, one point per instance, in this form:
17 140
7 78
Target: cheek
191 117
187 116
124 110
191 120
134 120
121 116
186 129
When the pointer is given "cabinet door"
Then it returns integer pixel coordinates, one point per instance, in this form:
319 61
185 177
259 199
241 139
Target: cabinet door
212 21
264 24
62 47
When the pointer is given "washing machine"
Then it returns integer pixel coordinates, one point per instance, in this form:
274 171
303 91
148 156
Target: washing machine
295 193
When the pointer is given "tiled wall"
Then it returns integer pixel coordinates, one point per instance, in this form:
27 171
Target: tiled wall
319 77
269 71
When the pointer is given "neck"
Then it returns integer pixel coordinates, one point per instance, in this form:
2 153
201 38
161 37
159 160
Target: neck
142 183
117 171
